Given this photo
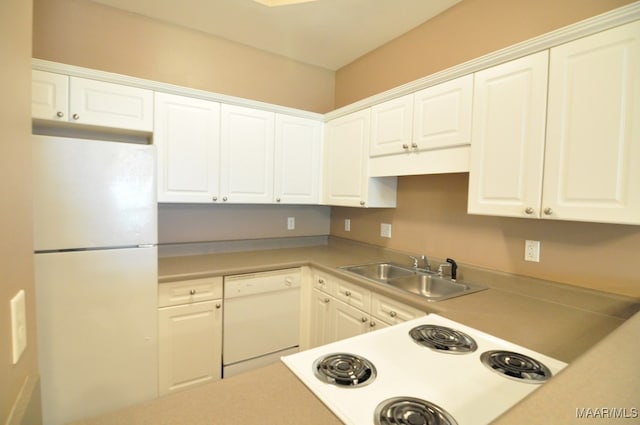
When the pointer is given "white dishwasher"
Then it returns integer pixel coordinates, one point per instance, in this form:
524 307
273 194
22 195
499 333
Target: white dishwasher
261 319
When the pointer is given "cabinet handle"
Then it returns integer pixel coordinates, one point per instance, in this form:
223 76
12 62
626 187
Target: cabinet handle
326 300
321 281
75 117
414 145
362 203
528 211
347 293
59 114
372 324
364 320
224 198
192 292
393 313
215 198
277 199
218 305
548 211
405 146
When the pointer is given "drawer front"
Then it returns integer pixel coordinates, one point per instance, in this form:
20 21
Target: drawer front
189 291
353 295
323 283
391 311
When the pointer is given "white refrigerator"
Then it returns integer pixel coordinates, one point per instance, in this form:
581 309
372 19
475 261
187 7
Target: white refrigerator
95 233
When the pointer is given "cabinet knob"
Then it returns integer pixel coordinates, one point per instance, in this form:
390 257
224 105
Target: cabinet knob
59 114
347 293
326 300
224 198
405 146
393 313
75 117
528 211
364 319
362 203
277 199
215 198
414 145
321 281
372 324
548 211
192 292
218 305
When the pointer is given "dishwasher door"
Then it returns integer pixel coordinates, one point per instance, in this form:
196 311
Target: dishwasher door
261 318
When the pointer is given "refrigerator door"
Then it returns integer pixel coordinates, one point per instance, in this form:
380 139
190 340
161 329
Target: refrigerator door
97 330
90 194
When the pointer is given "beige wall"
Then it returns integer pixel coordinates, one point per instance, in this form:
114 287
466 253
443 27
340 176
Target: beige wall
468 30
91 35
19 402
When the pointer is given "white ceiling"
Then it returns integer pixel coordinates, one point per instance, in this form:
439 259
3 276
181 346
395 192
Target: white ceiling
325 33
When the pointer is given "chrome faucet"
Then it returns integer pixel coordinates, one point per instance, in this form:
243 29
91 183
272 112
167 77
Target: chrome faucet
425 263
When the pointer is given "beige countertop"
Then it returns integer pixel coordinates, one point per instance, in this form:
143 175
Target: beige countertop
581 327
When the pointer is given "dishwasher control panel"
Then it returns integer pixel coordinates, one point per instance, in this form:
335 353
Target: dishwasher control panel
258 283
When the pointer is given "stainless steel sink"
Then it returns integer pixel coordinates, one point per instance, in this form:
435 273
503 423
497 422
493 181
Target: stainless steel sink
420 282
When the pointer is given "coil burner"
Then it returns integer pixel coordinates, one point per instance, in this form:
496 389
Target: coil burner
344 370
516 366
411 411
443 339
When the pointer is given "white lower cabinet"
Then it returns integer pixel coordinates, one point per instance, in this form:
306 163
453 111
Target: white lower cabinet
189 334
340 310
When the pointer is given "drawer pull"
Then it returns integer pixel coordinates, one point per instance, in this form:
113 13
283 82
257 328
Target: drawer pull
218 305
393 313
192 292
326 300
364 320
347 293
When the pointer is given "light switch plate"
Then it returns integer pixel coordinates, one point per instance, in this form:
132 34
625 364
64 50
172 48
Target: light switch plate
385 230
18 325
291 223
347 224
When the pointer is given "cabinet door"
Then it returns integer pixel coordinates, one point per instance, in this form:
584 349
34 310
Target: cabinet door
187 136
391 127
346 321
507 149
190 345
247 145
321 304
297 160
592 159
110 105
442 114
345 166
49 96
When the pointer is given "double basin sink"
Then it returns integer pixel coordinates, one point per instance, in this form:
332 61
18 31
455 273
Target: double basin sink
425 283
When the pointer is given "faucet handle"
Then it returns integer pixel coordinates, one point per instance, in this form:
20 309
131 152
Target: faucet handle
444 270
425 262
415 261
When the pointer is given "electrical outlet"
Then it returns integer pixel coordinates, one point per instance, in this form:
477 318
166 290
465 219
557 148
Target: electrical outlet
385 230
347 224
18 325
532 251
291 223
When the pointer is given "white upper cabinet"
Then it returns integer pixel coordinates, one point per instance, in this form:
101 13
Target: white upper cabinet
61 98
507 150
592 162
345 177
298 160
187 135
246 155
391 126
425 132
442 115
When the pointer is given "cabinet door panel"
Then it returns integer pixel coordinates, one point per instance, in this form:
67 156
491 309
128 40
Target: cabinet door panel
247 143
187 136
347 321
592 161
110 105
507 150
442 114
391 126
189 345
320 318
49 96
297 160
